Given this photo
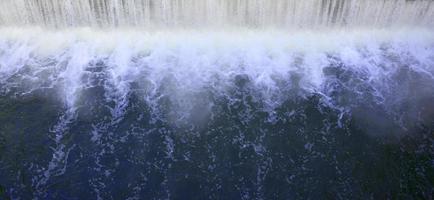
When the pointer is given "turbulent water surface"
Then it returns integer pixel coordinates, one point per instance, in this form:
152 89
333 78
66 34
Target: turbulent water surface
321 100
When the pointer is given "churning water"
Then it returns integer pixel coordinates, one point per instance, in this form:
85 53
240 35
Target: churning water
216 99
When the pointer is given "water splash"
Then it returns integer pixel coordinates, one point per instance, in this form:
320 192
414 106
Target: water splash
163 65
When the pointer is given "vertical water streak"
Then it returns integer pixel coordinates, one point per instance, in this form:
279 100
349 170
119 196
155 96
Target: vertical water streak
217 13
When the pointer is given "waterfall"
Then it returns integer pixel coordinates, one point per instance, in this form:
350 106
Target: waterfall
286 14
216 99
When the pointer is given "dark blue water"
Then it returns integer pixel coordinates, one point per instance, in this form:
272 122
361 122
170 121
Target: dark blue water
350 138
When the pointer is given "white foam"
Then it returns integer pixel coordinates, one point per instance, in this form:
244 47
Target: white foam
186 62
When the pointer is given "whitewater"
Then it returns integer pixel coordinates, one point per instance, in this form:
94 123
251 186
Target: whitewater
216 99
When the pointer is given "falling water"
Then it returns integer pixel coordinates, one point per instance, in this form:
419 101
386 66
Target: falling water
217 13
216 99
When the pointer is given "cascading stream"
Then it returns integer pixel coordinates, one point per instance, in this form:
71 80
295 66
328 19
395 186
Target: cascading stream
216 99
286 14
